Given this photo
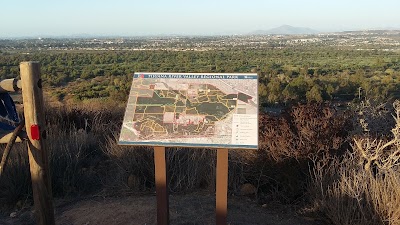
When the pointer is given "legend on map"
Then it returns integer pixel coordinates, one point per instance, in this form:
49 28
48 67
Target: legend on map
244 129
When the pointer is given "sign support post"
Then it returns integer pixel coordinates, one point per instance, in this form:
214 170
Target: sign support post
221 186
204 110
38 155
161 185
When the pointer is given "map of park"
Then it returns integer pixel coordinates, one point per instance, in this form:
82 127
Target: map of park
191 110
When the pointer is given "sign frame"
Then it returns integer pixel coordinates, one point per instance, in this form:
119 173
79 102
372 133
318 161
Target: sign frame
195 76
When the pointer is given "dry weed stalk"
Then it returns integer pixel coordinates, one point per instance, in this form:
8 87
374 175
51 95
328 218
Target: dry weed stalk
381 153
361 187
372 118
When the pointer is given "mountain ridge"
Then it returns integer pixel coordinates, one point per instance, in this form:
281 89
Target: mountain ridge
286 30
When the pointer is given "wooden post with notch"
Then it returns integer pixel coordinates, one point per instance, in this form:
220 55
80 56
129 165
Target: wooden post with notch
38 156
221 198
161 185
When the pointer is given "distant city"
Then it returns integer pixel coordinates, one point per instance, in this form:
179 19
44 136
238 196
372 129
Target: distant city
281 30
388 40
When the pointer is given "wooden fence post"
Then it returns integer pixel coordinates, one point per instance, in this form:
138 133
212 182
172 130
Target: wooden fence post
38 156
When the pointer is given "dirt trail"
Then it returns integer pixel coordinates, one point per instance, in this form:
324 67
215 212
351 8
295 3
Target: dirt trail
192 208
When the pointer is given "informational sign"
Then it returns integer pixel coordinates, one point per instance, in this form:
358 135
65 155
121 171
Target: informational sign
192 110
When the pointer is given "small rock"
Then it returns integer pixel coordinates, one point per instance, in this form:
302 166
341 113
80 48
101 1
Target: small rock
19 204
133 181
13 214
264 206
248 189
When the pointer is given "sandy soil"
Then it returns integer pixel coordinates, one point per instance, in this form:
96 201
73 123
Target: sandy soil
195 208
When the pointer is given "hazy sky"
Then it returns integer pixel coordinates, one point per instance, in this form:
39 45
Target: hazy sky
189 17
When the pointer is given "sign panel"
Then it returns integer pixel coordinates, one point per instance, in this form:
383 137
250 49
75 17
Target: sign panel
192 110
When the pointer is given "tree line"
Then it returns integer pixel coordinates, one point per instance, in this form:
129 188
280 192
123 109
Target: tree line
285 75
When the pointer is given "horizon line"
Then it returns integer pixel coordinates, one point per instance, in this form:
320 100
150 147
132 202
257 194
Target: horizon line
88 35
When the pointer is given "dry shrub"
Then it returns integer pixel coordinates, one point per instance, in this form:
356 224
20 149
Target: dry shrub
76 136
98 117
282 181
74 139
372 118
85 156
73 157
130 163
304 131
381 153
280 167
15 182
187 168
347 194
363 186
191 168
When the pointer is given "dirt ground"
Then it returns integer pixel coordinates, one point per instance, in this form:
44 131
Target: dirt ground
194 208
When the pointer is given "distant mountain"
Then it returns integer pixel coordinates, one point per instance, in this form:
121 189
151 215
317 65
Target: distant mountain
286 29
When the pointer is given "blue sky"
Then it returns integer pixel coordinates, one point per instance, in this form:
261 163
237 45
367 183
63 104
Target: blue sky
189 17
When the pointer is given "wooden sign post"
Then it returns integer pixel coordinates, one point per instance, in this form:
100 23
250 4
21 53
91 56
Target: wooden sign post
161 179
38 155
161 186
221 192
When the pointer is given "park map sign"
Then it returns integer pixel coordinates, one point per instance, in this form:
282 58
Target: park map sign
192 110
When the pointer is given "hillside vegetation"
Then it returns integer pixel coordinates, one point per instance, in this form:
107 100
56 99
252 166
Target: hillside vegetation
322 160
337 163
285 75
